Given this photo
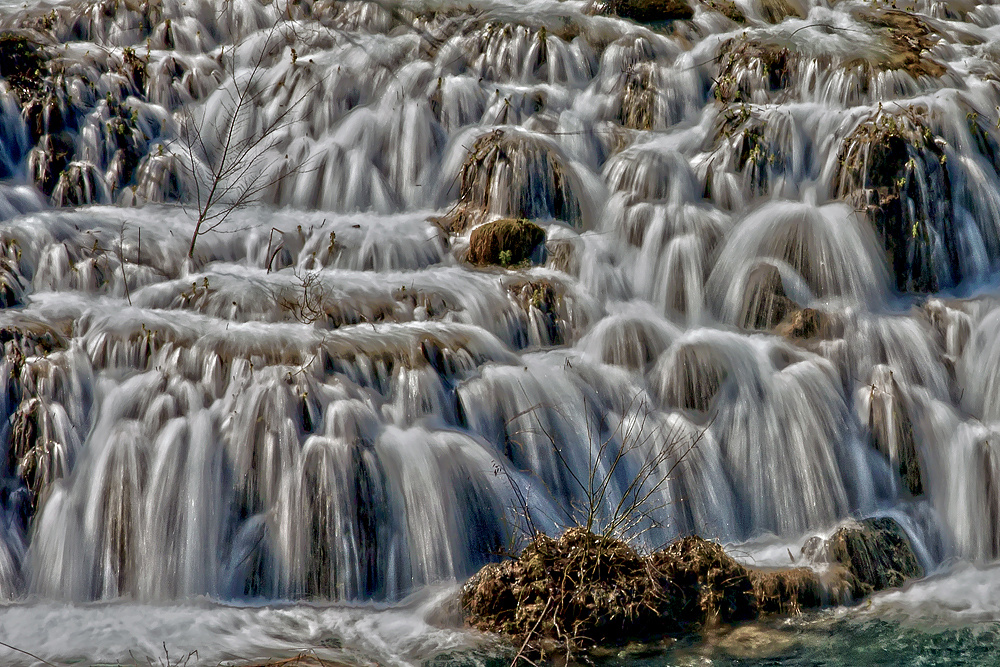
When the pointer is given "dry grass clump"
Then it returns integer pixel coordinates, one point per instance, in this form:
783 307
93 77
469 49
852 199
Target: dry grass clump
504 242
561 596
707 584
582 590
787 591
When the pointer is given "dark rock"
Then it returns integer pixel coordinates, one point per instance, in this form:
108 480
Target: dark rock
765 303
22 63
504 242
877 553
892 166
891 428
644 11
510 174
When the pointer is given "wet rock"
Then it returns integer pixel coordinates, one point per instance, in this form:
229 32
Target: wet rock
765 303
643 11
22 64
891 428
79 185
776 11
513 175
877 553
909 38
47 160
893 166
542 305
638 109
504 242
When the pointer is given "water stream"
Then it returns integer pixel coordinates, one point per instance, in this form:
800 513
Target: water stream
257 402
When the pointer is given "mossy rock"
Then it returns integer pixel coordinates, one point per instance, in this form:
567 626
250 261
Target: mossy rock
877 553
504 242
508 173
22 63
644 11
909 37
893 166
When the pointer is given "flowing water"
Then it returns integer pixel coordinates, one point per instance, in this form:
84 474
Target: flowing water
258 403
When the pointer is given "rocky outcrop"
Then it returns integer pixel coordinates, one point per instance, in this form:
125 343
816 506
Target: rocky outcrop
583 590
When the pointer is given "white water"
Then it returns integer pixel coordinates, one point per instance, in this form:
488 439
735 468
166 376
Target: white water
316 405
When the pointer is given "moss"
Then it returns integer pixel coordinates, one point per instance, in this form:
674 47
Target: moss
22 63
504 242
644 11
877 553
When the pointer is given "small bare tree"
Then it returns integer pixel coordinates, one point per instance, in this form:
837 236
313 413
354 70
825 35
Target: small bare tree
231 155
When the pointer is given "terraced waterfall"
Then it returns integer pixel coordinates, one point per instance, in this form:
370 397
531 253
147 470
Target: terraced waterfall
268 388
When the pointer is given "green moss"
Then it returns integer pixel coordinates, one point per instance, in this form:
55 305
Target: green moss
504 242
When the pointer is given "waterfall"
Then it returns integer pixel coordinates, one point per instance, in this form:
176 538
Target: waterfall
245 358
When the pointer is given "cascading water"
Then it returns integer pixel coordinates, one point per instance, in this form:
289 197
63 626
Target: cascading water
246 360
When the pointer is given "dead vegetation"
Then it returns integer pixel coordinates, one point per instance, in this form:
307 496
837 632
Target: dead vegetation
745 63
563 597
